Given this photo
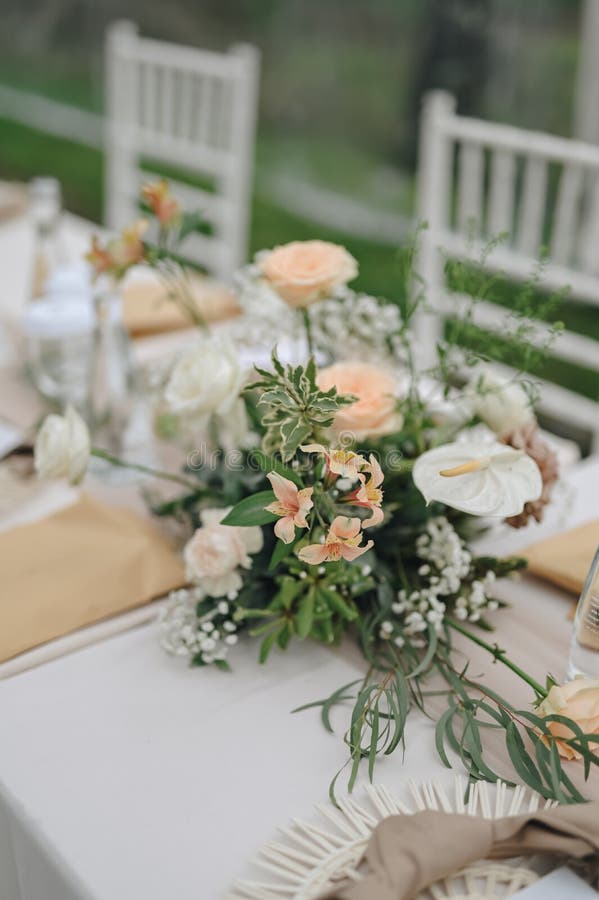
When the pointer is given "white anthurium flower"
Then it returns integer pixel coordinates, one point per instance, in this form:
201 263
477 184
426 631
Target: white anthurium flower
503 405
207 379
483 479
62 447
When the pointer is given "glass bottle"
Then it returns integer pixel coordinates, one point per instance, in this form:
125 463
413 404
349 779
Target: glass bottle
49 253
584 649
58 336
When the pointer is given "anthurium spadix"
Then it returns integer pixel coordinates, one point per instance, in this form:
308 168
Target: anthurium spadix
483 479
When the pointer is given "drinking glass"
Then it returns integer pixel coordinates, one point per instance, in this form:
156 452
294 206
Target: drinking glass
584 649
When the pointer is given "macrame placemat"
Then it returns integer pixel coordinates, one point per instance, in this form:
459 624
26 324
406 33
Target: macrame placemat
311 856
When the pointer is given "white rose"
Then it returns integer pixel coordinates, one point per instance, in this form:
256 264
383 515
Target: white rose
62 447
251 536
503 405
216 551
207 379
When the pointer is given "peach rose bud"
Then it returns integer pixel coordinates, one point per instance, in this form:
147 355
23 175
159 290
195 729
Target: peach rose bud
577 700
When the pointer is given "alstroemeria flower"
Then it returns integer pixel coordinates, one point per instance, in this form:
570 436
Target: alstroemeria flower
120 253
341 462
483 479
343 541
292 504
160 200
128 250
98 257
369 495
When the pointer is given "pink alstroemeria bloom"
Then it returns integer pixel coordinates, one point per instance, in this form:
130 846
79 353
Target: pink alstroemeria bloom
292 504
342 542
341 462
369 495
160 200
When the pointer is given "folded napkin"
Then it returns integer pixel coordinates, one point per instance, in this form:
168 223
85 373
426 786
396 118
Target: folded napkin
148 310
565 558
77 567
407 853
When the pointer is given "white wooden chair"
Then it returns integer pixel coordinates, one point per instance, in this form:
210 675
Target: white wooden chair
194 111
479 179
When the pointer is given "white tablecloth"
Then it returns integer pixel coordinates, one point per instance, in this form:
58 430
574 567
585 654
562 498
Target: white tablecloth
124 775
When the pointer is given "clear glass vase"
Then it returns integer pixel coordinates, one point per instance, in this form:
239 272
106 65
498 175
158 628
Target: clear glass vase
110 398
584 649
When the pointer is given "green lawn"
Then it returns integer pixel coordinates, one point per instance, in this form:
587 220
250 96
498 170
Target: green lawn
25 152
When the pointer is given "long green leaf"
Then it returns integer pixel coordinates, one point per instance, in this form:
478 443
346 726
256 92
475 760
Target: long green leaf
271 464
267 644
374 738
522 762
440 735
305 614
428 656
337 696
281 552
250 511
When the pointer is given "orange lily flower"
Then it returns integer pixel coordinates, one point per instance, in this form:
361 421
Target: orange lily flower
161 201
369 495
291 505
343 541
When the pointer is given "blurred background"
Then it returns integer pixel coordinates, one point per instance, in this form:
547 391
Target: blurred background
340 94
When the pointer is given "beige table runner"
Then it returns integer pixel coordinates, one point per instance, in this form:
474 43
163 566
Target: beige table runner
81 565
565 558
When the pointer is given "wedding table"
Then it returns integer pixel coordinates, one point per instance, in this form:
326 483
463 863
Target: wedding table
125 775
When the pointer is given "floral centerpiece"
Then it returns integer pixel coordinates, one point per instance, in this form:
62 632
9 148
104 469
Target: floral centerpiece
344 504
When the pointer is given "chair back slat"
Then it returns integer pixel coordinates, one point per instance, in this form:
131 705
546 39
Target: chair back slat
588 242
501 192
470 188
542 190
532 211
567 213
182 107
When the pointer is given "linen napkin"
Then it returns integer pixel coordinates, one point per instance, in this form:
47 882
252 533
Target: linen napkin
13 199
565 558
147 309
407 853
76 567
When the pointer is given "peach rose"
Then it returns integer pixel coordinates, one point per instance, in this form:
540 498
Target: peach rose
374 413
305 271
577 700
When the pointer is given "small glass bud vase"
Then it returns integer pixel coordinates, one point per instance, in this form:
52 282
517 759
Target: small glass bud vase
111 381
584 649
